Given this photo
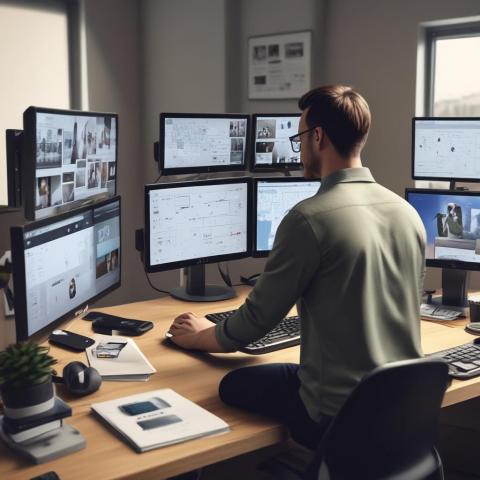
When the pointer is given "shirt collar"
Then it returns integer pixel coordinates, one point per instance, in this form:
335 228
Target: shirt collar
347 175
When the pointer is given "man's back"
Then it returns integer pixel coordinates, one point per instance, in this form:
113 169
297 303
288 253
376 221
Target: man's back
361 308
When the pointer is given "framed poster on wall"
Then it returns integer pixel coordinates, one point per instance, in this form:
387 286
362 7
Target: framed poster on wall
279 66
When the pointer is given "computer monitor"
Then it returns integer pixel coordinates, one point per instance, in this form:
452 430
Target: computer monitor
273 199
70 159
452 222
61 264
189 224
201 142
271 147
446 148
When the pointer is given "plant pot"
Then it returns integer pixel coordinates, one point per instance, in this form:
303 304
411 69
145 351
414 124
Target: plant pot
28 401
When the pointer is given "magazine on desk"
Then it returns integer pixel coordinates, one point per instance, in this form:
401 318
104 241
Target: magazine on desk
158 418
118 358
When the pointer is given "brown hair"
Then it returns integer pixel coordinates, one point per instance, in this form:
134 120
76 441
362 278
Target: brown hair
342 113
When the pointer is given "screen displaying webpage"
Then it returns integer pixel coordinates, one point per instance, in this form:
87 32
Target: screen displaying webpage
452 223
204 142
69 262
272 144
447 149
274 201
197 222
75 159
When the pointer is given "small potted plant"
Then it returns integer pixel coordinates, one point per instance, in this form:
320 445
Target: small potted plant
26 380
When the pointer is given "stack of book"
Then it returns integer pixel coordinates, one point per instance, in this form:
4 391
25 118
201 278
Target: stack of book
42 437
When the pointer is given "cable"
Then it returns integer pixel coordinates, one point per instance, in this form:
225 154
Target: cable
225 275
153 286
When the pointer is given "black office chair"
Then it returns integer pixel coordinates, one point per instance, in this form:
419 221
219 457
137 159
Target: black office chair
386 429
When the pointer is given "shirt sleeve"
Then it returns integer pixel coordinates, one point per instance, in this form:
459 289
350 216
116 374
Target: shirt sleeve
292 263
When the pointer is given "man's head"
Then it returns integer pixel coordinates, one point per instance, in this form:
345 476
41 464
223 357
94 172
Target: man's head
339 120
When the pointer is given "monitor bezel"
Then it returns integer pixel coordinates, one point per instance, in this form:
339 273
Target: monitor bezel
440 179
264 253
452 264
206 169
149 268
29 163
18 270
270 167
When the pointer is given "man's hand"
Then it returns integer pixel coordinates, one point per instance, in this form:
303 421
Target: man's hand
194 333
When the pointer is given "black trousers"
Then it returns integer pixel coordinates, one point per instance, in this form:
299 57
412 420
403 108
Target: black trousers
273 390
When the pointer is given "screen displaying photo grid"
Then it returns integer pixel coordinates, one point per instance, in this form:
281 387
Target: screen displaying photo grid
272 144
75 159
204 142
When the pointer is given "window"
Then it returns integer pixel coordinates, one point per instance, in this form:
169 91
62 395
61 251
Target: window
36 65
453 71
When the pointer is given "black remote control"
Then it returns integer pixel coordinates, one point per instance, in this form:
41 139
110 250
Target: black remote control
106 324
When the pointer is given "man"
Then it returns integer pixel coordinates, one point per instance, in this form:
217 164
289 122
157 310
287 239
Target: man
353 258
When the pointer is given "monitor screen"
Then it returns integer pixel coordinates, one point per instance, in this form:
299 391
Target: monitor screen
271 145
191 223
446 148
274 198
70 158
192 143
63 263
452 222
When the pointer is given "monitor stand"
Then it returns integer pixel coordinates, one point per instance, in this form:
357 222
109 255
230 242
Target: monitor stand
454 289
196 291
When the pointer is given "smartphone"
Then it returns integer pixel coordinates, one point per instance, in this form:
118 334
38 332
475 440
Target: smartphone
137 408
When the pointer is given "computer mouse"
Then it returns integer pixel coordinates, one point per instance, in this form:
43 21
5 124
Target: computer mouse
473 328
81 380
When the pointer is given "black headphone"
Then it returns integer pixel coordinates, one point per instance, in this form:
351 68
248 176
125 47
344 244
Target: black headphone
79 379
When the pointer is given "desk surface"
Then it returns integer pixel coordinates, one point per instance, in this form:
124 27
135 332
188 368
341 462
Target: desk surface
195 376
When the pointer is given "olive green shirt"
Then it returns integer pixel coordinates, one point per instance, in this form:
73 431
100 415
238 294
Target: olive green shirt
353 257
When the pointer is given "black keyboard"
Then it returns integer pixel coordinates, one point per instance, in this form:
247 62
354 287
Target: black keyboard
285 334
463 361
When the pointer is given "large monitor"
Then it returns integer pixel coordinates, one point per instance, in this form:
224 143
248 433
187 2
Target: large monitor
271 147
61 264
70 159
273 199
201 142
452 222
189 224
446 148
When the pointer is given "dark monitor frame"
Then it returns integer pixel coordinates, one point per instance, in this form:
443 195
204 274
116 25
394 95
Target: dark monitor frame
441 179
14 144
450 264
277 167
18 270
264 253
196 261
29 163
204 169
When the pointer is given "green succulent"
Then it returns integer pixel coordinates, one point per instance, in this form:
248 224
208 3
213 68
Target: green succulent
25 364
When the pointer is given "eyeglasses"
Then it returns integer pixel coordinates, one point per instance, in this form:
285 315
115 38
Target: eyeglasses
296 141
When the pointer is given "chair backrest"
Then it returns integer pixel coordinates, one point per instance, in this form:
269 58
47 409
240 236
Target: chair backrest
388 425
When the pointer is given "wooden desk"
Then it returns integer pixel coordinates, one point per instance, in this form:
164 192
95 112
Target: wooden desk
196 376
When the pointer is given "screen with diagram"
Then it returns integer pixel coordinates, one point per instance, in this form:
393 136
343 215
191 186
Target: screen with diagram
274 199
76 159
69 262
272 145
452 223
203 142
195 222
446 148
